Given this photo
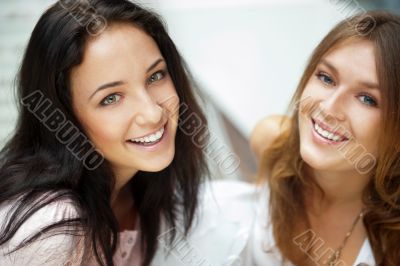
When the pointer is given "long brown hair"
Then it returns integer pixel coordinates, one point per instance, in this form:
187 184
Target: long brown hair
286 170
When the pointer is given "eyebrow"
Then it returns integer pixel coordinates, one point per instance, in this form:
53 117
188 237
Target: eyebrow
366 84
155 64
121 82
370 85
330 66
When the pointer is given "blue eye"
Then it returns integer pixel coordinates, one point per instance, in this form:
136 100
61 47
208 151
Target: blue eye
326 79
368 100
110 99
157 76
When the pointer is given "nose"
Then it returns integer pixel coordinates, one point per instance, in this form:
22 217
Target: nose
332 106
149 112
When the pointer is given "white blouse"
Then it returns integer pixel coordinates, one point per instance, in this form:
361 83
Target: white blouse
60 249
220 231
261 250
218 236
230 229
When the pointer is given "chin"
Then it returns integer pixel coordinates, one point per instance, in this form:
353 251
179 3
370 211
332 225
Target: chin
155 169
324 163
312 159
157 165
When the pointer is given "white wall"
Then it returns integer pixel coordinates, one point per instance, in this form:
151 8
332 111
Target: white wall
17 19
248 55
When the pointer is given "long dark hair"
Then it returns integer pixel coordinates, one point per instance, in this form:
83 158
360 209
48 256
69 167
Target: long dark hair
34 161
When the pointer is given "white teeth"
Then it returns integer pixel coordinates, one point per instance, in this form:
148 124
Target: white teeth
150 138
326 134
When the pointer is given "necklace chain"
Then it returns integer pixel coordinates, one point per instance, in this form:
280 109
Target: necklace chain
334 258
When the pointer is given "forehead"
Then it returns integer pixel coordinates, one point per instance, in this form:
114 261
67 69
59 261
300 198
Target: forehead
122 51
354 57
118 42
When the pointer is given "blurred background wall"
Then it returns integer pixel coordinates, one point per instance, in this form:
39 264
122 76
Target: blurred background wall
247 55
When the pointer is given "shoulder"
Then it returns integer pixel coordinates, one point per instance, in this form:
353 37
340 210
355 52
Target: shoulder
266 131
54 246
53 212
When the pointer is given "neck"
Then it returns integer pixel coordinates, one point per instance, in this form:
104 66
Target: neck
341 189
122 202
122 177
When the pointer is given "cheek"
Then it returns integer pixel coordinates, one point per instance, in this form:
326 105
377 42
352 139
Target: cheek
367 133
308 101
314 91
167 97
166 92
103 130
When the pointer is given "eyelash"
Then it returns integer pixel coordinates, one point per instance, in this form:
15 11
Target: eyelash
373 104
102 103
151 80
162 72
322 75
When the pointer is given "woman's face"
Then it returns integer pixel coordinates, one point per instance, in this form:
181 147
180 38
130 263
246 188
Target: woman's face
126 101
340 114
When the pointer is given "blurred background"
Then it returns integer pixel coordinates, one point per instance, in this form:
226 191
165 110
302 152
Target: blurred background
247 56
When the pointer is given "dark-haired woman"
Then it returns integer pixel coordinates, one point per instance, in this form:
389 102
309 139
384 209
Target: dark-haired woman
102 168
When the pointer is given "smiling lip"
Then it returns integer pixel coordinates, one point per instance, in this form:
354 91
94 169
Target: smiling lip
150 133
319 139
327 128
153 145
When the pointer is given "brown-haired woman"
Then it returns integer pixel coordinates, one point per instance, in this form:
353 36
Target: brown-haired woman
332 167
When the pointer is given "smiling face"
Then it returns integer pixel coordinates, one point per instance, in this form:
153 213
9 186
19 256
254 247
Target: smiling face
340 108
126 101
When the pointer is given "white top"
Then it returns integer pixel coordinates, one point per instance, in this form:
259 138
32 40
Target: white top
221 228
230 228
261 249
218 236
54 250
